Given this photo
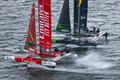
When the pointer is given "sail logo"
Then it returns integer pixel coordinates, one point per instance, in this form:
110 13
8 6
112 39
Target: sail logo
41 21
83 17
44 22
80 2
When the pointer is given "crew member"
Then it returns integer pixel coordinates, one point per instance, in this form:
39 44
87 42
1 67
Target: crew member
106 35
94 29
98 30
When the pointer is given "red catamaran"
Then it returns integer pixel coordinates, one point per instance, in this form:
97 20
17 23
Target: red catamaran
44 52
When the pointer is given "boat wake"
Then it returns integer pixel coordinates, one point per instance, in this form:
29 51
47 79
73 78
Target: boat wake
93 61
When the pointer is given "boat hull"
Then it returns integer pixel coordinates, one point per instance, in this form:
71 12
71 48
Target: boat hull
84 40
76 42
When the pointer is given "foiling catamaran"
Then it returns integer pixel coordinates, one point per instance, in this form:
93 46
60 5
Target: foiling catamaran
81 35
44 55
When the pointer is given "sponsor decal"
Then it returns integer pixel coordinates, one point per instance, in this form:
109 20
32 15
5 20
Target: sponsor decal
44 20
80 2
83 17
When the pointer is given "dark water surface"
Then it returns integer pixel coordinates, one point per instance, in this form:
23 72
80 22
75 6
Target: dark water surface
99 63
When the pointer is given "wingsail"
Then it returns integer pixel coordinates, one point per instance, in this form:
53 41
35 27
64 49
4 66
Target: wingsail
64 20
80 15
44 23
31 36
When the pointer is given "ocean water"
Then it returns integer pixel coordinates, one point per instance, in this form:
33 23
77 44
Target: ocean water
96 63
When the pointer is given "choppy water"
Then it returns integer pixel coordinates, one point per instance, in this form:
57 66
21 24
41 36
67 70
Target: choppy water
100 63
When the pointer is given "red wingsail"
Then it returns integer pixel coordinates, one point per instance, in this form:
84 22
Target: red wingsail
44 22
31 36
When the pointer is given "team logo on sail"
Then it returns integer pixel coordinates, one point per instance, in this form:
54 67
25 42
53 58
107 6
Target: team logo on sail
80 2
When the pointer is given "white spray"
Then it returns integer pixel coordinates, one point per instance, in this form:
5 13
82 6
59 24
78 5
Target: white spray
93 61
